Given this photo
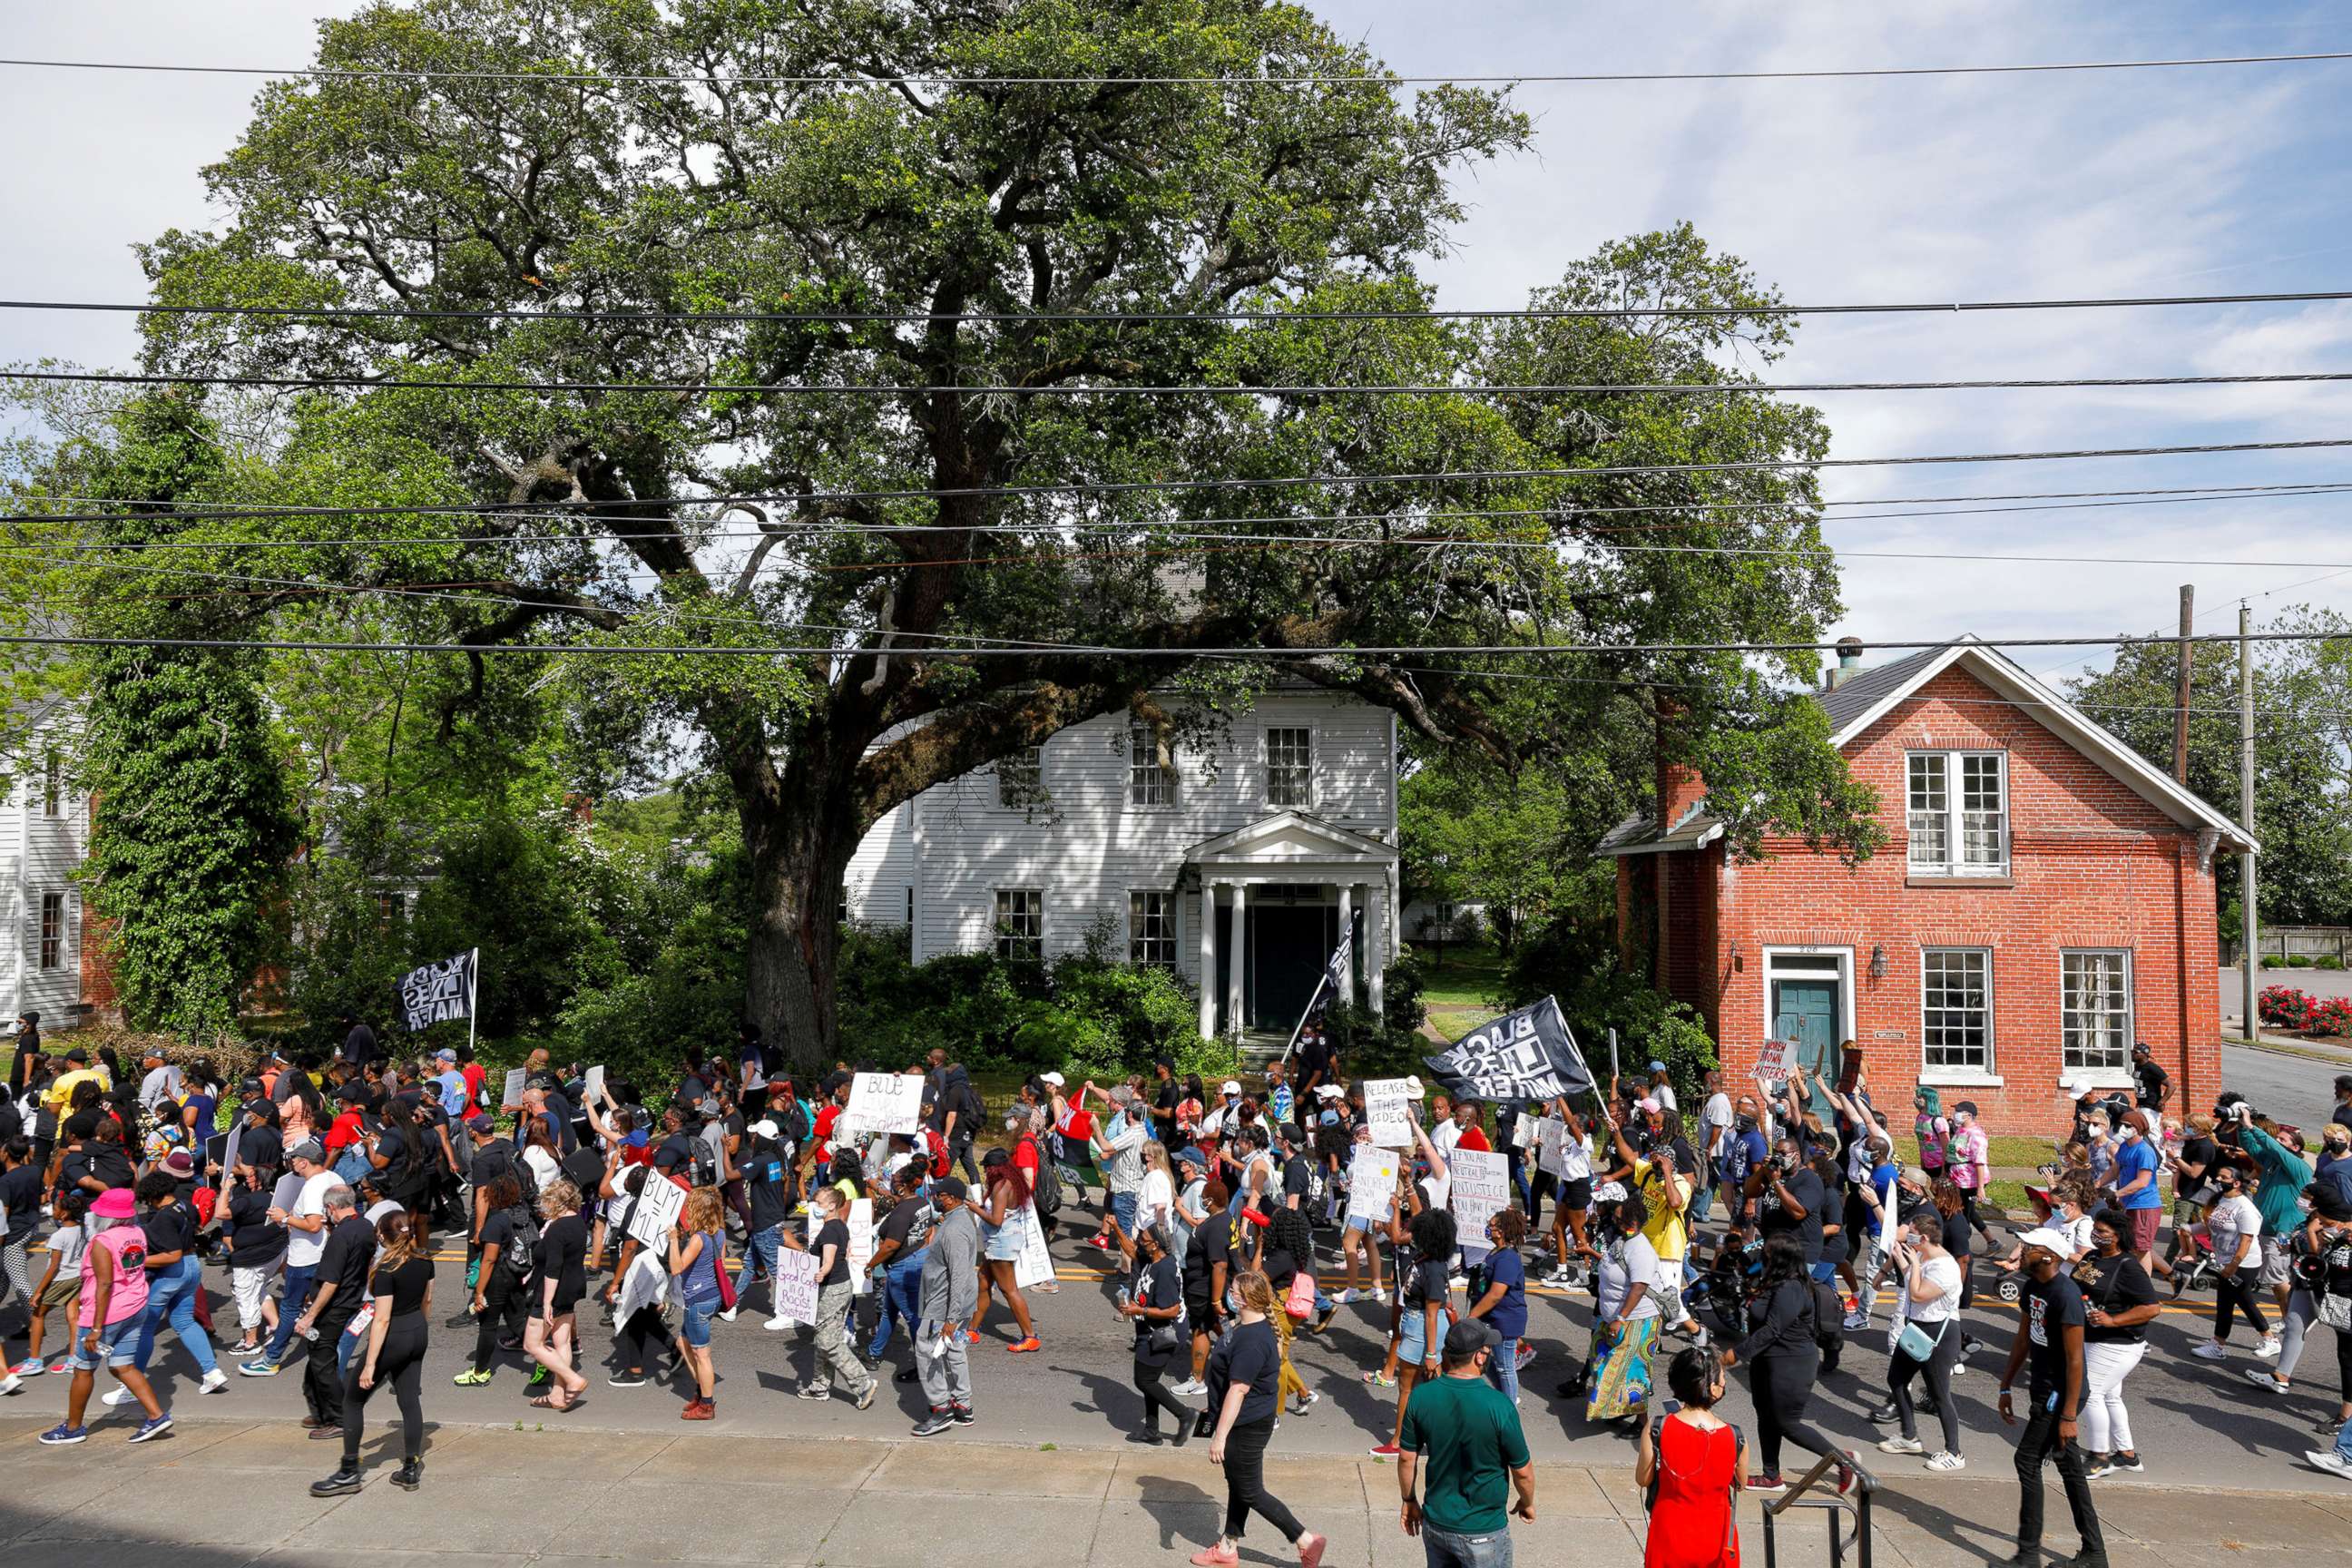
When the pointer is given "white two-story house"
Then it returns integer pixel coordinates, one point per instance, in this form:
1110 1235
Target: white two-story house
44 837
1240 865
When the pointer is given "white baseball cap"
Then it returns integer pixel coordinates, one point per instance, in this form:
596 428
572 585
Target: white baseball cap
1329 1091
2049 1238
1057 1080
1229 1087
764 1128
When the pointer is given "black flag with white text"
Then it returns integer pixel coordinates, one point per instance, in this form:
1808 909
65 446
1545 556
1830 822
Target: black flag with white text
439 991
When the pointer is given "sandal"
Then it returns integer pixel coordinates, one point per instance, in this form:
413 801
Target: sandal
1378 1381
547 1402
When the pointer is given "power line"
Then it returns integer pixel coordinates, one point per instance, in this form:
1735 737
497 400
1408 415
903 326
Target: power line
1116 389
553 78
1532 314
1131 487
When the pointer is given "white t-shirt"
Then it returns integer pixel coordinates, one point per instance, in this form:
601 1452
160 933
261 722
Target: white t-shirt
303 1247
2229 1221
1576 1160
544 1168
1716 1112
1444 1135
1157 1206
1944 1271
1621 1268
1664 1093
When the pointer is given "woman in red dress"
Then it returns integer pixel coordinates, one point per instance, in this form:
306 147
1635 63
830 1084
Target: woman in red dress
1692 1470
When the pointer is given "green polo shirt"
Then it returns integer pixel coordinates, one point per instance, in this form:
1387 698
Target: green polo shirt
1469 1441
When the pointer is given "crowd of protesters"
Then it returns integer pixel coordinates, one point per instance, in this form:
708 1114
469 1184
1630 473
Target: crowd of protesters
1761 1234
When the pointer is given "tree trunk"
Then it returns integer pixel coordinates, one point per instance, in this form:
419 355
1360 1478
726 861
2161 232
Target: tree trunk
799 845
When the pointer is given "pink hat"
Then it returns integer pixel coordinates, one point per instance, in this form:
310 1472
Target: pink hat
113 1203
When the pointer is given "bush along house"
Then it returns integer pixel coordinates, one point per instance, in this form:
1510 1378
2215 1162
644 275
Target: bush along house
2043 900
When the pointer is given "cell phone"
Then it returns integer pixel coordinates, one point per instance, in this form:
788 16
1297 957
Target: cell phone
1668 1406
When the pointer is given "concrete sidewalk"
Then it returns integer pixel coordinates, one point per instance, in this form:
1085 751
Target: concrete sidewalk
224 1493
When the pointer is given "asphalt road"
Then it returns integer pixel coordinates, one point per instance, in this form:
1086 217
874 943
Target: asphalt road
2297 1089
2197 1422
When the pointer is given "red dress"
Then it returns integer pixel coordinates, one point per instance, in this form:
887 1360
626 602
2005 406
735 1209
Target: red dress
1691 1523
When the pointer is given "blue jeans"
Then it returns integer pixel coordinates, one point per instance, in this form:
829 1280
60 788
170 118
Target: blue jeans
298 1295
2344 1443
171 1296
1445 1548
899 1300
1702 1195
760 1248
1503 1368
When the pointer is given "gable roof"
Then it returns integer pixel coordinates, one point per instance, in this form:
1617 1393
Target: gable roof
1295 831
1857 703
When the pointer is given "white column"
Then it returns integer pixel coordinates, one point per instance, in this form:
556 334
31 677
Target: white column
1240 949
1347 916
1376 945
1208 959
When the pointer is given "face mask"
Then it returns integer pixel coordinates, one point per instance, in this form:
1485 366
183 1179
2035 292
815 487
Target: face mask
2127 1133
1747 1122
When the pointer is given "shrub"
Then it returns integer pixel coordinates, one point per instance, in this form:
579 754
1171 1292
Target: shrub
2298 960
2327 961
1402 1009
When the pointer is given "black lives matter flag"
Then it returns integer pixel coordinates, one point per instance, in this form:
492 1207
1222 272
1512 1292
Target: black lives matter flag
1526 1055
439 991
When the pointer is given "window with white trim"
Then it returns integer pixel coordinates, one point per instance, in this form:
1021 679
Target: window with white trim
53 783
2094 1009
1959 816
1955 1008
53 931
1151 927
1150 768
1021 778
1020 923
1290 767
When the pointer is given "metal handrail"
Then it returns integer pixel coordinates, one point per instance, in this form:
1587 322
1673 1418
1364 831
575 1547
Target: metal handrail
1856 1501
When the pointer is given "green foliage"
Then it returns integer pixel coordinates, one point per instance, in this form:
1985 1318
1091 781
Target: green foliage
1579 966
1402 985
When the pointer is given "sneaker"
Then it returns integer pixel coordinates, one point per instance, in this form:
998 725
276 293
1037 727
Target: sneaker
241 1351
1770 1481
11 1384
1025 1346
469 1378
410 1476
865 1399
2210 1350
1305 1403
1856 1321
2096 1465
1886 1416
934 1423
62 1434
1385 1451
2327 1459
1560 1277
1947 1460
259 1366
537 1376
1311 1548
154 1428
2265 1381
2125 1464
1380 1295
214 1381
1901 1446
343 1483
972 1336
1190 1388
780 1323
618 1380
961 1414
1376 1378
115 1398
1527 1354
815 1391
1216 1555
2269 1349
1348 1297
29 1367
699 1410
728 1316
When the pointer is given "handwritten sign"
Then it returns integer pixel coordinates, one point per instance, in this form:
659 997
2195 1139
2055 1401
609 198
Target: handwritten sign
860 1221
1482 1189
1772 1062
884 1103
1388 1110
656 1216
1551 1147
1371 1182
796 1285
512 1099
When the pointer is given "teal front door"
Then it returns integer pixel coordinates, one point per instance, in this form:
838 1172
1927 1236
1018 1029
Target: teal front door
1806 1011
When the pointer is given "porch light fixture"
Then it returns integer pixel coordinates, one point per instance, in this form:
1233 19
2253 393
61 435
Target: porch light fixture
1877 962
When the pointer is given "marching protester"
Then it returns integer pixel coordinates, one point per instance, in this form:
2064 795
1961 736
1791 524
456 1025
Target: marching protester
1784 1355
1153 1301
1927 1340
1464 1436
2049 1329
2120 1302
113 1294
1692 1466
700 1278
400 1291
948 1302
554 1292
1245 1374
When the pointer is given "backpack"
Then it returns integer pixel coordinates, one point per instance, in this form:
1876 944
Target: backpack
1048 1196
935 1154
521 1254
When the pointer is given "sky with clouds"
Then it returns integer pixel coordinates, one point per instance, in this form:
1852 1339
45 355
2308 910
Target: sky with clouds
2215 180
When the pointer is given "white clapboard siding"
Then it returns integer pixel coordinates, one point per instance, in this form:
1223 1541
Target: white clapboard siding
1084 847
881 875
45 852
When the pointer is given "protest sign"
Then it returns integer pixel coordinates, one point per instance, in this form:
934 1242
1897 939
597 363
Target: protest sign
1773 1063
1371 1182
884 1103
860 1221
1526 1055
795 1285
656 1216
1390 1110
645 1285
287 1192
1035 1264
511 1099
1482 1188
592 1088
1551 1147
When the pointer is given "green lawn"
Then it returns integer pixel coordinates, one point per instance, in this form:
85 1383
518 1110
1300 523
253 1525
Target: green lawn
1461 992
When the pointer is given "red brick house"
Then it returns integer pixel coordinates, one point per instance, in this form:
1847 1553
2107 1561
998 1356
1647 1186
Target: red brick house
2045 899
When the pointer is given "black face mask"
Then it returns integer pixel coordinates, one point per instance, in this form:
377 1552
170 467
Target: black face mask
1747 1122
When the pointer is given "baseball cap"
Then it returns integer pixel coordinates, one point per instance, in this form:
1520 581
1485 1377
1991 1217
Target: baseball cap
949 1187
764 1128
1057 1080
250 1088
1192 1155
307 1150
77 1055
2049 1238
444 1054
1645 1103
1656 1066
1467 1337
1229 1087
481 1121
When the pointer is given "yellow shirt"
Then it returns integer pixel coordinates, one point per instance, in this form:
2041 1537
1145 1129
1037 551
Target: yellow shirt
1666 1230
61 1091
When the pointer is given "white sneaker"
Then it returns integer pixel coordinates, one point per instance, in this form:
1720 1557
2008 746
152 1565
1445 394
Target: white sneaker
2211 1351
1306 1402
1856 1321
11 1384
117 1396
2269 1349
779 1323
1190 1388
1901 1446
2264 1380
726 1317
214 1381
1947 1460
1348 1297
2328 1459
1380 1295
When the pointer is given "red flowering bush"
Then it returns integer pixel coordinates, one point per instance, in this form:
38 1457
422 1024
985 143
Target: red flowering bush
2291 1009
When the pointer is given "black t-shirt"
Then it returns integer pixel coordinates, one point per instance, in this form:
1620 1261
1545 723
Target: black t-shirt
2050 1310
1213 1244
833 1233
2152 1080
767 1183
20 1191
172 1229
1250 1357
1157 1286
681 1148
98 1158
563 1257
2120 1285
498 1230
908 1223
2204 1152
1426 1284
405 1283
345 1262
1806 1188
253 1241
1163 1112
1314 1066
359 1046
263 1148
1298 1177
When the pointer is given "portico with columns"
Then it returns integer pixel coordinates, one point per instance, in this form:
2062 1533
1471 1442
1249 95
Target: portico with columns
1271 899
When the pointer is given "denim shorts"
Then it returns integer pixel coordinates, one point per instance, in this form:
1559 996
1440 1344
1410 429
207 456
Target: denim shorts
1003 1243
696 1329
121 1353
1412 1337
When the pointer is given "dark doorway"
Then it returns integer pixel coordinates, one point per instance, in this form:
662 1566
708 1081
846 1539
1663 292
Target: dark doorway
1290 945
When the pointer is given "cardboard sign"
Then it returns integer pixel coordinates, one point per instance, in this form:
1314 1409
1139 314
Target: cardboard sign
1388 1110
1482 1188
860 1221
1371 1182
796 1285
883 1103
645 1285
1772 1062
1035 1264
511 1099
1551 1147
592 1088
656 1216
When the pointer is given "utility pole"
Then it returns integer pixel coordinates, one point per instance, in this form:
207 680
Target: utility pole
2247 931
2181 702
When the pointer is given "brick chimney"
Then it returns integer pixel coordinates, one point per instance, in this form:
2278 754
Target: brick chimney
1678 783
